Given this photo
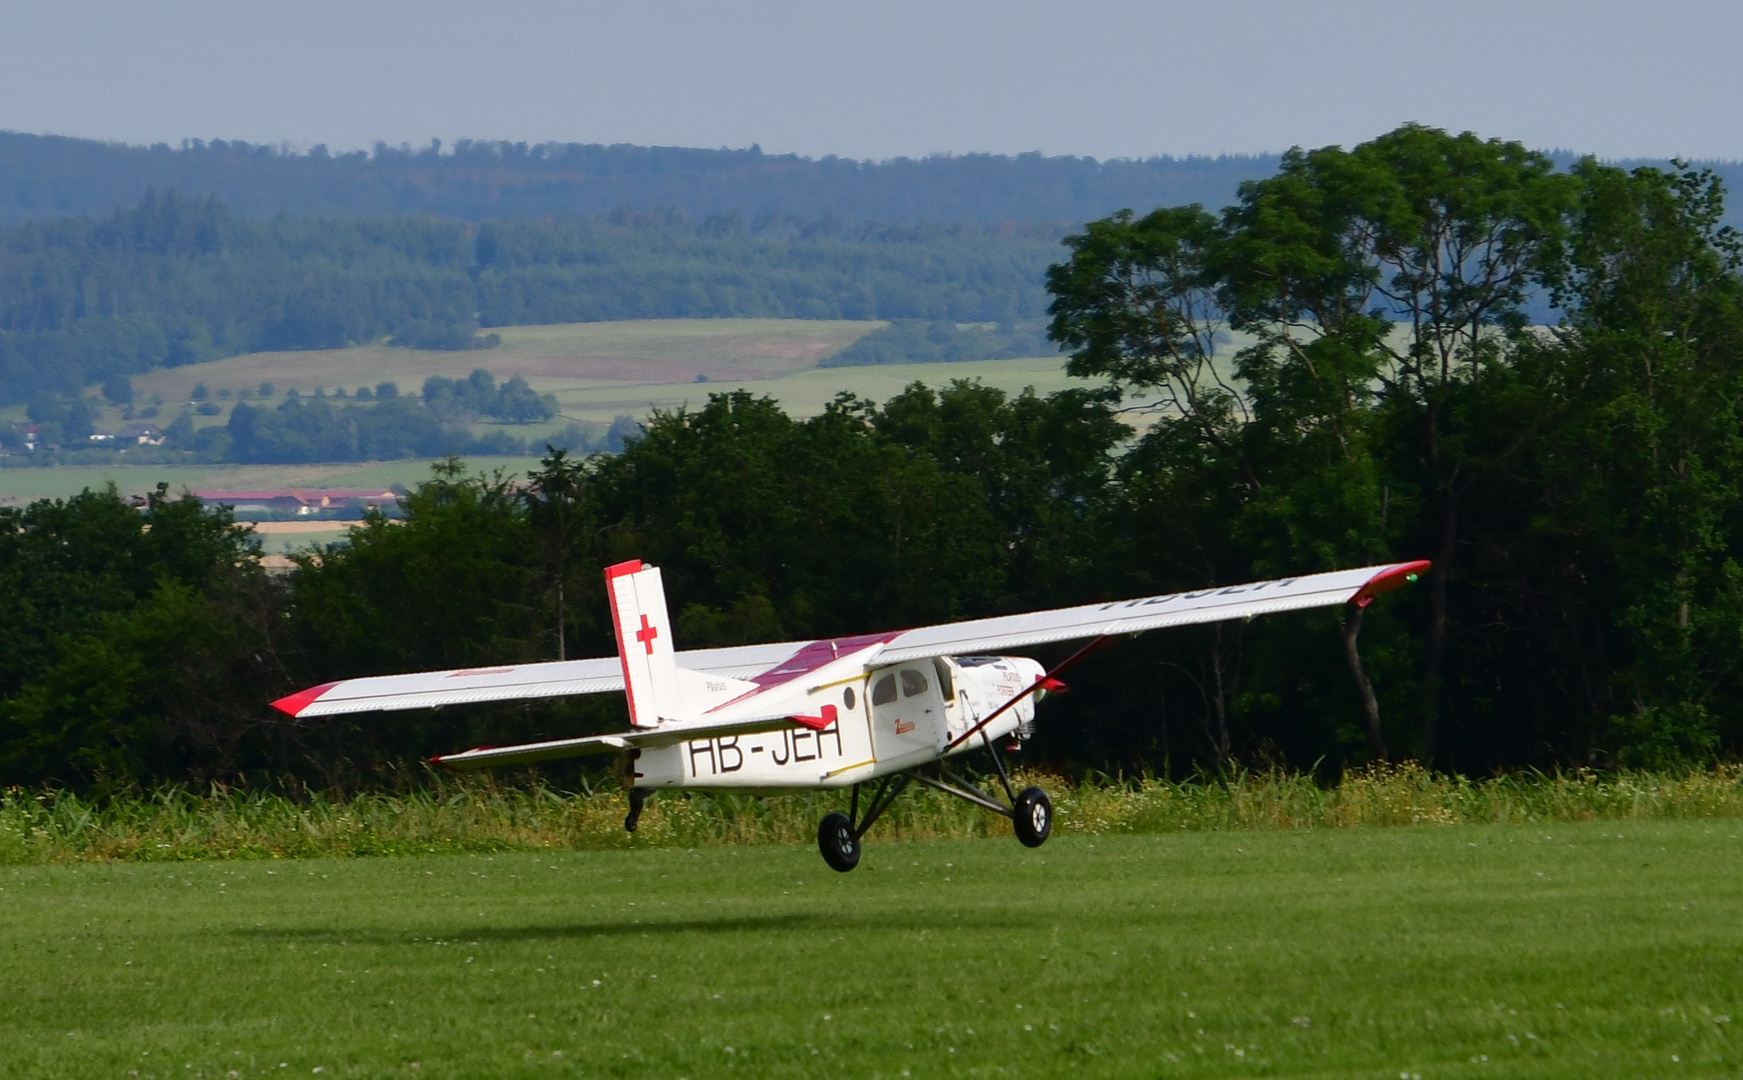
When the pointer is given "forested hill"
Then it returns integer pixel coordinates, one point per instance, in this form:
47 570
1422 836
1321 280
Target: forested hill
174 280
50 176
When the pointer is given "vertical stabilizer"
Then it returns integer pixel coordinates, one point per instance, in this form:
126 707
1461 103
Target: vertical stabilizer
644 643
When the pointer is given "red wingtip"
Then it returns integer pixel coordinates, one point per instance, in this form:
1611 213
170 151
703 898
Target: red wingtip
1052 685
1387 580
294 704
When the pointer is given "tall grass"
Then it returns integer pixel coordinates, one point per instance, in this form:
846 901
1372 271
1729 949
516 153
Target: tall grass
477 815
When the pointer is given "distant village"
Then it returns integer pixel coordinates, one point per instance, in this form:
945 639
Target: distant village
130 435
294 503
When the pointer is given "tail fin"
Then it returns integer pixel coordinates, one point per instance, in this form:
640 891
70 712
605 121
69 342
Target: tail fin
644 643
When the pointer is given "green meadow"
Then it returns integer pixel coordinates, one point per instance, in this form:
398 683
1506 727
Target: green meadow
1595 949
63 480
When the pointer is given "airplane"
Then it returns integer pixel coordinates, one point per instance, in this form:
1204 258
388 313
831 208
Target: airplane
889 709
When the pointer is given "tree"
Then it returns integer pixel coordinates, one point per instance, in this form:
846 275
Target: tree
1627 488
558 514
136 645
1374 286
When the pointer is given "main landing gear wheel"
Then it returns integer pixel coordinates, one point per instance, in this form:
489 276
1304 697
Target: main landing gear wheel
1032 816
839 846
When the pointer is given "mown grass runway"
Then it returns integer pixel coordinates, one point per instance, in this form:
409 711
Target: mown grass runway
1600 949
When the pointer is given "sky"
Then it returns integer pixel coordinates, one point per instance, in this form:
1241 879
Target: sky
1103 78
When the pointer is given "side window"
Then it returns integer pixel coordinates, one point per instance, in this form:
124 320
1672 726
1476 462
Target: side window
847 698
884 693
913 683
946 684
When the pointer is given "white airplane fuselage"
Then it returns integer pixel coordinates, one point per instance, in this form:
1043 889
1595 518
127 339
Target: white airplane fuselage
889 719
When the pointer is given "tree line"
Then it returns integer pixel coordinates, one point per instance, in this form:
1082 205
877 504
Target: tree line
373 425
176 280
45 177
1576 487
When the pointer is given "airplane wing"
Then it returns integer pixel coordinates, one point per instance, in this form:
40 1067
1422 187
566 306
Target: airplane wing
1332 589
780 665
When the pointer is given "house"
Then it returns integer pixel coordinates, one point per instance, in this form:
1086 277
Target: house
101 436
31 436
140 435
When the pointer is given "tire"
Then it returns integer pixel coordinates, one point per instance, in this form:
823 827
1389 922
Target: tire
1032 817
836 841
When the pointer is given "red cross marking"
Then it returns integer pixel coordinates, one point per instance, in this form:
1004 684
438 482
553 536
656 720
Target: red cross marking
647 634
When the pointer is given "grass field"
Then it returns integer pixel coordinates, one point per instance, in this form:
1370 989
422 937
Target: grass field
1573 950
805 392
18 485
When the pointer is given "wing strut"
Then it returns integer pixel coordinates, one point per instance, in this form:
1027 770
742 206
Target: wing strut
1036 685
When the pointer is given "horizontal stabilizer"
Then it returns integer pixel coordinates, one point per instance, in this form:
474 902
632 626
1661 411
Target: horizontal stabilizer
528 753
664 735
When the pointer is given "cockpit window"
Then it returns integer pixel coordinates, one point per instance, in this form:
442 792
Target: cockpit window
884 693
913 683
946 685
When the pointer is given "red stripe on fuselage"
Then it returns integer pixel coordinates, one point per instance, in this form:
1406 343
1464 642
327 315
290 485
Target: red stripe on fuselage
808 659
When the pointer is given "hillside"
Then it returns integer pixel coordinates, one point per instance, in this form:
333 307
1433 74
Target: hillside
597 373
174 281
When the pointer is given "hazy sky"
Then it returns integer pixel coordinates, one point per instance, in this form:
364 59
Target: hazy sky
1108 79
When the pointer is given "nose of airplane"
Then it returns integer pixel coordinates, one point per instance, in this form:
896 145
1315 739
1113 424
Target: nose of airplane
1031 672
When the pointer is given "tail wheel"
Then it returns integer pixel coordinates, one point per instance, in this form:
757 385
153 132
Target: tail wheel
839 845
1032 816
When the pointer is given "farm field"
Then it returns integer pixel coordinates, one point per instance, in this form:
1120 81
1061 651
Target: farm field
641 351
806 392
287 537
598 371
1605 949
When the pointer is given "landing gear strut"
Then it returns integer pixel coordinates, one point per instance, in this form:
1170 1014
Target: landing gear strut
1030 811
636 798
838 835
